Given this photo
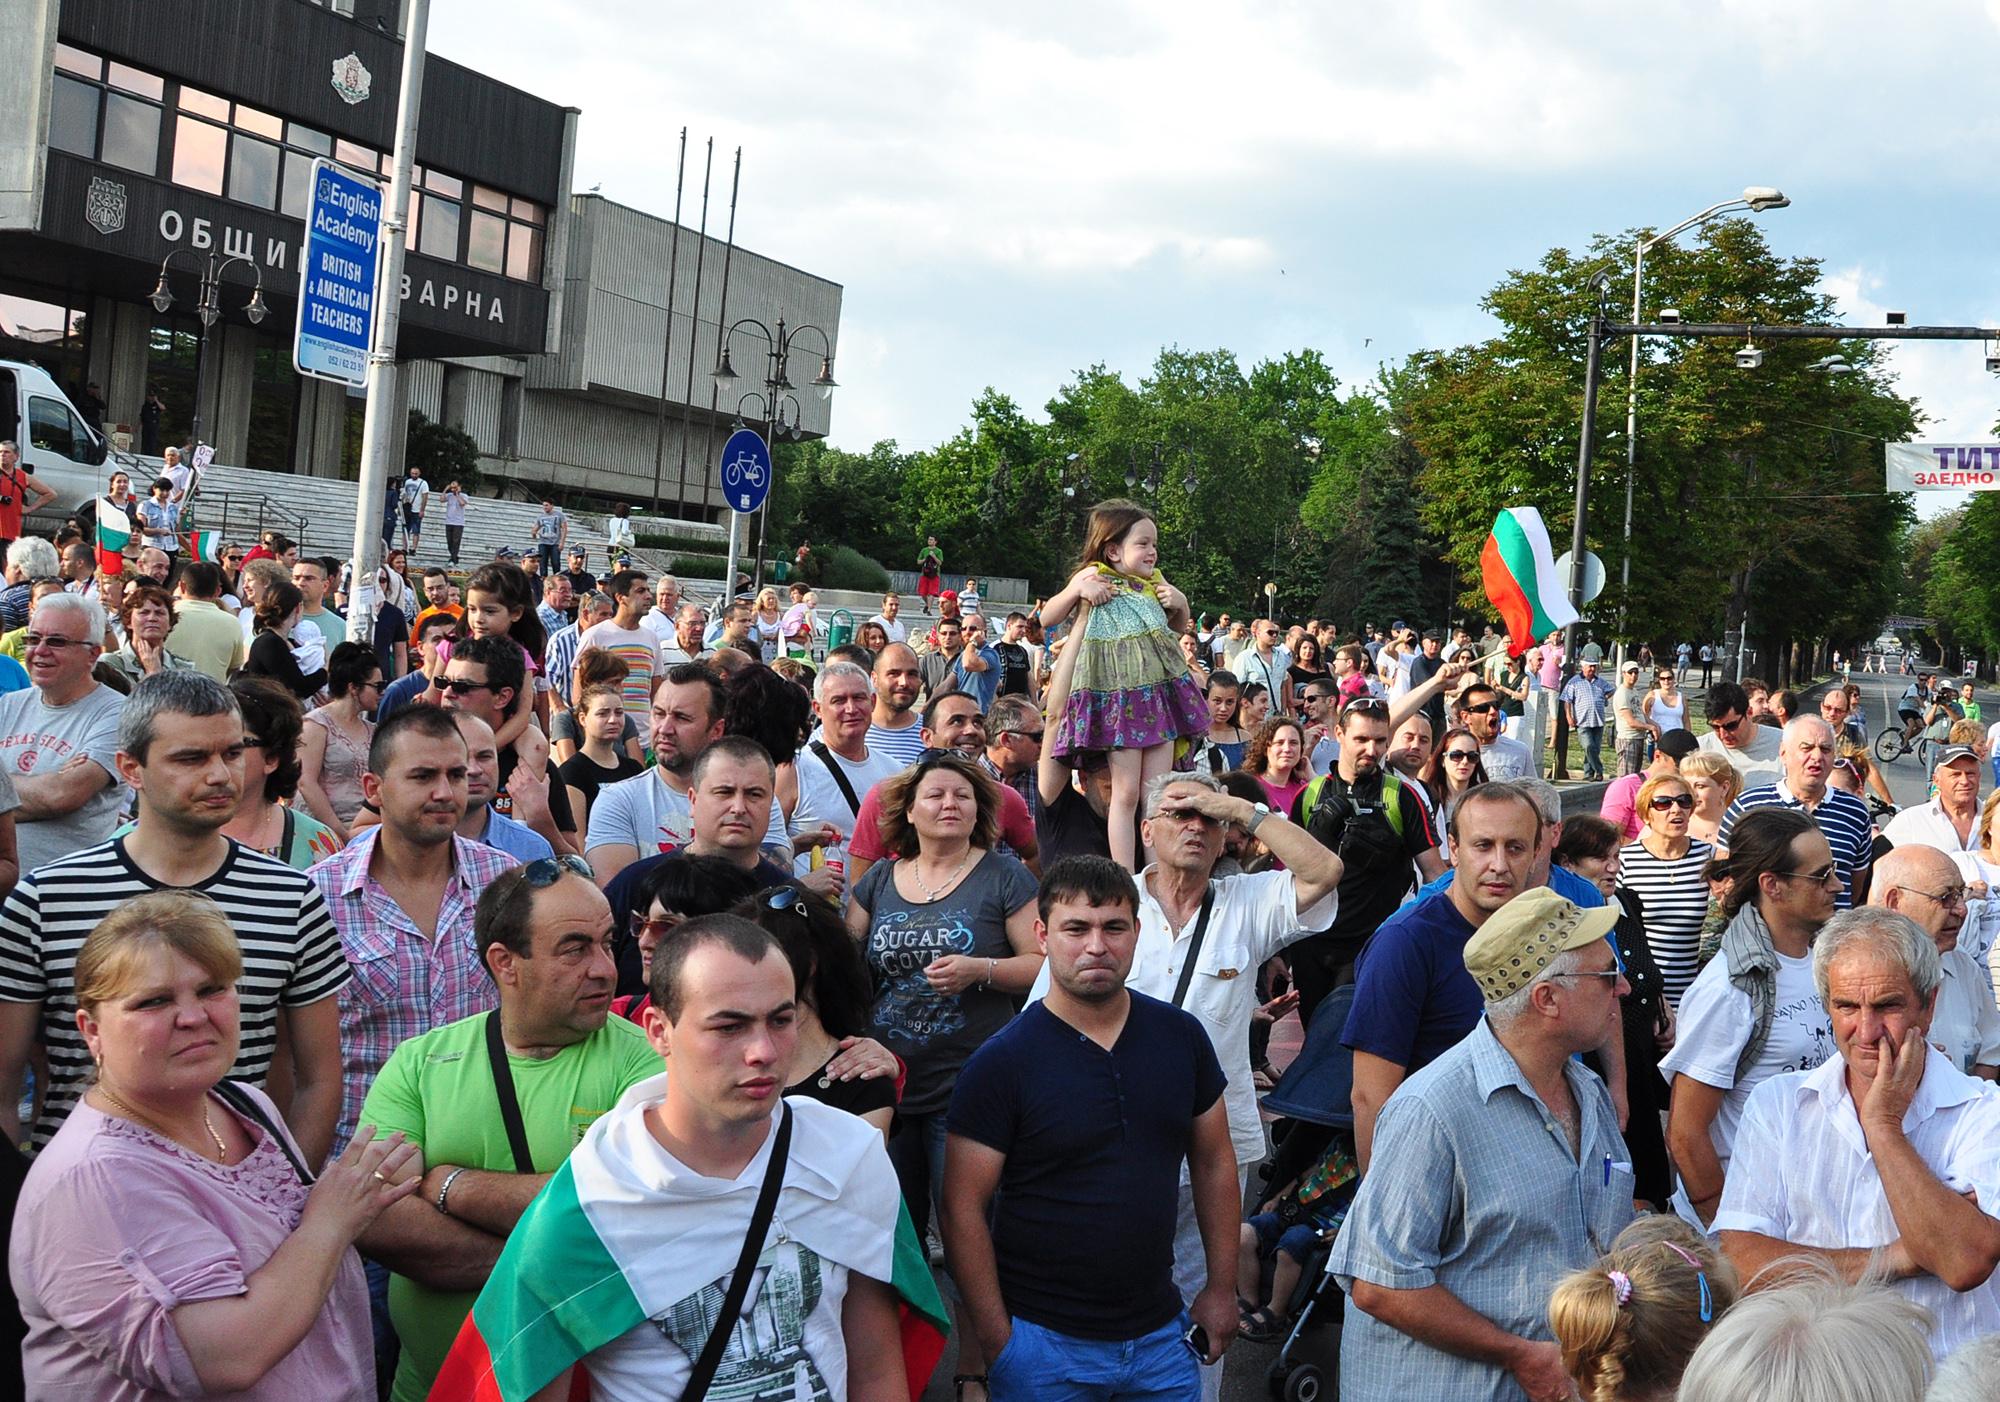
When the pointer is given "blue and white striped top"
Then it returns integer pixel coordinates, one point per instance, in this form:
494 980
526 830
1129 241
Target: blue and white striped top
1842 817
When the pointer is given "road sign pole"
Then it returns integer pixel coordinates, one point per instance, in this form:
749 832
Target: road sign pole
379 423
729 564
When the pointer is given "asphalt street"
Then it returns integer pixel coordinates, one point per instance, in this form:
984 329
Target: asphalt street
1906 779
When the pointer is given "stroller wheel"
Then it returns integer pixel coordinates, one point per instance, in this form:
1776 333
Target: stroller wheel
1306 1383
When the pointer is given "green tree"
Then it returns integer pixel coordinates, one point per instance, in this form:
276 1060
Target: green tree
443 452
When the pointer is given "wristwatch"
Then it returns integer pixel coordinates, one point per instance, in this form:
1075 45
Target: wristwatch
1258 813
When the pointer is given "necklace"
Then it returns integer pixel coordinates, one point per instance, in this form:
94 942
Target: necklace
221 1149
917 875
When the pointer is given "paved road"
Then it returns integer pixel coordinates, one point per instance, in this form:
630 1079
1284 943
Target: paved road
1879 695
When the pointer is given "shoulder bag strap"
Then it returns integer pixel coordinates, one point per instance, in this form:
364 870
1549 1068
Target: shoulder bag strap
285 836
1194 944
232 1095
510 1107
840 778
746 1265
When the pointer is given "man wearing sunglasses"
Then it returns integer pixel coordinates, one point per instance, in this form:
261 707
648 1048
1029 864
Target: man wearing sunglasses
543 933
1806 748
481 679
1734 734
1478 710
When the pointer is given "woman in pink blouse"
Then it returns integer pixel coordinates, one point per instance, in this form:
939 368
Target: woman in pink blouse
169 1241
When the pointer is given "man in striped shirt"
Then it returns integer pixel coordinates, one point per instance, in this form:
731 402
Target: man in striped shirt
1806 750
181 749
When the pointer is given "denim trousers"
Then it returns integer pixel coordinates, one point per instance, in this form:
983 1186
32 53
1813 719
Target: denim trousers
1040 1365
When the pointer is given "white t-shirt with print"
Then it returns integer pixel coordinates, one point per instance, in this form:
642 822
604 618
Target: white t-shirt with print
645 813
1715 1026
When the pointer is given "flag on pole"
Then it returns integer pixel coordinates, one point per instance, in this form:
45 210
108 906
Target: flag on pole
1519 572
599 1253
203 545
114 532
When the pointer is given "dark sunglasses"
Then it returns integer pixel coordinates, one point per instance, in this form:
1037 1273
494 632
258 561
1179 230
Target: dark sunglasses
1035 735
784 898
1483 708
1462 756
545 871
1661 803
1818 878
458 685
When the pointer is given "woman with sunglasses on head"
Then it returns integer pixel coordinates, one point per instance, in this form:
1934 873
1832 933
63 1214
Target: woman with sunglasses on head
333 751
836 1063
1664 869
1753 1012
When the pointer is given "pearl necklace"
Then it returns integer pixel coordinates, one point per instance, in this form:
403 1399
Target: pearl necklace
221 1149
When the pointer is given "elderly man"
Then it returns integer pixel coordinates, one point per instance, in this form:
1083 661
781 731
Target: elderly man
1924 884
1450 1251
1734 734
1887 1157
1949 822
836 767
1203 938
1585 698
59 737
28 559
1806 749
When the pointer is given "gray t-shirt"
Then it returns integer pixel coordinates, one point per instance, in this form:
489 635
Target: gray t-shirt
548 527
37 738
1625 699
935 1033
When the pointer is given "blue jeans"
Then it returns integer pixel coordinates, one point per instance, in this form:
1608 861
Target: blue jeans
1040 1365
1593 746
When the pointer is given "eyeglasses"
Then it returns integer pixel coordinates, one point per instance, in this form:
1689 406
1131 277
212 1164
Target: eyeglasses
32 641
1613 974
458 685
1035 735
1462 756
1715 724
1951 898
1662 802
644 927
1818 878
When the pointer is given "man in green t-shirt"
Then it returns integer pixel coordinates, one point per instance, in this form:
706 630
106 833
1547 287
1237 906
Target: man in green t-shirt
544 932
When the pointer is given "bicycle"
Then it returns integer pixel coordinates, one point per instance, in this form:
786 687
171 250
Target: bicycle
1894 742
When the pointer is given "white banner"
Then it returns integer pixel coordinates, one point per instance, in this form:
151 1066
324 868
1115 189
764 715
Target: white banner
1943 467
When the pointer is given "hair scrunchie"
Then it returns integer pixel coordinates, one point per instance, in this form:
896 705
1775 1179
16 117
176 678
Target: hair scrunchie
1621 1287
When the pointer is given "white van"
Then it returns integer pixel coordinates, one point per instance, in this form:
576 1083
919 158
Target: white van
57 446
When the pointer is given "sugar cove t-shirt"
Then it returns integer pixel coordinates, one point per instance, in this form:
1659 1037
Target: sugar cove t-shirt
935 1032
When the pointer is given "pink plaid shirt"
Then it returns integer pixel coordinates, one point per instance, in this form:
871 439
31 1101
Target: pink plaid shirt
403 984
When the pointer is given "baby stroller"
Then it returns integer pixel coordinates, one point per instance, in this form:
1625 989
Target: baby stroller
1315 1096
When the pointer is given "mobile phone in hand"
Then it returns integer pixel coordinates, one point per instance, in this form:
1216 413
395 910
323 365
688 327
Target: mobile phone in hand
1196 1340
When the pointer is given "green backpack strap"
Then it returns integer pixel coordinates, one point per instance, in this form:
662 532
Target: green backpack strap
1392 800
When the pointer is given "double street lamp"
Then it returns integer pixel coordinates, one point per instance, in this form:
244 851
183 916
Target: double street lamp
1756 199
774 399
208 309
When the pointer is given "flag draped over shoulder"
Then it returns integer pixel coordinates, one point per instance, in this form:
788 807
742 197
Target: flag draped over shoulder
1518 570
203 545
595 1256
114 532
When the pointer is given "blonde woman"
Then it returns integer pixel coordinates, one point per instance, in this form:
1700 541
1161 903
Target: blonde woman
1715 783
767 622
1664 869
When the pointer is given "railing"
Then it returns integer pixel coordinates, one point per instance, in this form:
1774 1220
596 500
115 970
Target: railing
991 586
245 516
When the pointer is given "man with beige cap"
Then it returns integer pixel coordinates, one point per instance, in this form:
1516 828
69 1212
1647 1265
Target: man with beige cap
1504 1171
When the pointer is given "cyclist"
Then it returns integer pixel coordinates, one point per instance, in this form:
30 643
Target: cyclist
1910 709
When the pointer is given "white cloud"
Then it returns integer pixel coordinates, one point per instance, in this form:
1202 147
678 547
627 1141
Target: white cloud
1010 193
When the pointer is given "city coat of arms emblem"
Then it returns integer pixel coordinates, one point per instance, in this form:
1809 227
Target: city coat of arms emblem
104 205
351 80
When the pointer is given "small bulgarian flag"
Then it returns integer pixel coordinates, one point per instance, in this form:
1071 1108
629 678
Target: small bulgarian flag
1519 572
600 1253
203 545
114 532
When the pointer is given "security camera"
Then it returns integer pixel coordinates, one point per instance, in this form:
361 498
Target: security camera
1993 362
1670 316
1749 358
1897 319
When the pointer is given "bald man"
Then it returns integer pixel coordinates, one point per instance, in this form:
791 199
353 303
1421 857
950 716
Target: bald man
1925 884
1806 750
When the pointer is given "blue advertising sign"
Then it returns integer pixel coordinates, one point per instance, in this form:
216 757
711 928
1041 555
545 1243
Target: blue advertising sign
337 276
746 470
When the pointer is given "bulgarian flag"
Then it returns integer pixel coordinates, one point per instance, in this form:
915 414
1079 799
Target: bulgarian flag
203 545
1519 572
603 1250
114 532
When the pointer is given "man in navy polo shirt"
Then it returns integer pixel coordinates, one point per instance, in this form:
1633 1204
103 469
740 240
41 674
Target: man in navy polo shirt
1081 1111
1413 1000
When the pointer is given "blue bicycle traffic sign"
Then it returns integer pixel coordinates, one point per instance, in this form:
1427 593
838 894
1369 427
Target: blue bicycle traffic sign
746 470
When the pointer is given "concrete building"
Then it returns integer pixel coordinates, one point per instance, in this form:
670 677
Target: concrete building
533 319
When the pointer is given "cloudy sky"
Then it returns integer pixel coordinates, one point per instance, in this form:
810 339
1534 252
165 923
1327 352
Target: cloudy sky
1010 194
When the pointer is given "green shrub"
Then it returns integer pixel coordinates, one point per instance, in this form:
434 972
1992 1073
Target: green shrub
697 566
843 567
674 540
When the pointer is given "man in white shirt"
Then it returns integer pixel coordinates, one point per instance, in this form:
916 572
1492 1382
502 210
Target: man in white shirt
896 630
836 768
1228 927
1886 1158
660 618
1949 822
1734 734
1924 884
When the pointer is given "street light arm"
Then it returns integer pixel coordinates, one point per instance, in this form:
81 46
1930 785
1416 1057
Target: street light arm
743 321
1738 203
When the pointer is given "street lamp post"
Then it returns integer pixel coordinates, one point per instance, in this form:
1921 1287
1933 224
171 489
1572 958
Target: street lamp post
776 395
1756 199
208 309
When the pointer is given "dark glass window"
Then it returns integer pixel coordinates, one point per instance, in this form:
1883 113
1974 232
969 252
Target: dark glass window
486 242
52 427
253 171
73 117
439 238
306 139
298 184
131 134
199 151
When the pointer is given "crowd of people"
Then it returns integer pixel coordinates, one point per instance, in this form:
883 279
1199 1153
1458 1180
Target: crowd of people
580 989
